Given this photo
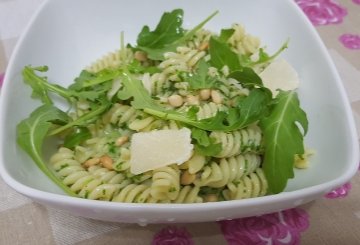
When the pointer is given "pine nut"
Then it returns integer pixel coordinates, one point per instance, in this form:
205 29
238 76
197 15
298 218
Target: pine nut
216 97
107 162
192 100
204 46
187 178
121 140
175 100
140 56
211 198
91 162
205 94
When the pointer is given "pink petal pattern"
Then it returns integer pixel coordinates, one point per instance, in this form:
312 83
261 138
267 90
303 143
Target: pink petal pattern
323 12
1 79
276 228
340 192
356 1
171 235
350 41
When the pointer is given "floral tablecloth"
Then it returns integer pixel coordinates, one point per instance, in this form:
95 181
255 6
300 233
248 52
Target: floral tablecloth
333 219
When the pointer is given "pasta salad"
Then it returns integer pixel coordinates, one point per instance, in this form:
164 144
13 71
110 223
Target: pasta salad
182 116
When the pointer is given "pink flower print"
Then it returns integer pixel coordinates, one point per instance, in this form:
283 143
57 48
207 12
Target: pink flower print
276 228
356 1
172 236
1 79
340 192
323 12
296 218
350 41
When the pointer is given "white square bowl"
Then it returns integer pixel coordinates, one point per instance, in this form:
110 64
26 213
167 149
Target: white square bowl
68 35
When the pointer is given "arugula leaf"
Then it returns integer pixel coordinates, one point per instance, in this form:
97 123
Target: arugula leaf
225 34
283 139
264 57
247 77
221 55
249 109
89 80
31 133
97 110
79 135
167 31
156 50
204 144
134 88
136 67
41 86
200 78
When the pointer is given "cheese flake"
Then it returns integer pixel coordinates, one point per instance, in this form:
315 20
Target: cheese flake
280 75
156 149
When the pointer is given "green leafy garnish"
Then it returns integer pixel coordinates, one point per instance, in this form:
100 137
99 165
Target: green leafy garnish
83 88
84 119
200 78
283 139
31 133
88 80
225 34
168 30
136 67
79 90
79 135
222 55
40 86
167 35
263 56
247 77
204 144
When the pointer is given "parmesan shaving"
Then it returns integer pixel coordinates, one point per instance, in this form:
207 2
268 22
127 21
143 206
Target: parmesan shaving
280 75
156 149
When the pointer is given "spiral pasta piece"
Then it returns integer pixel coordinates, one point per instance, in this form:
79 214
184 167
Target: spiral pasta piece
135 119
95 183
200 40
229 170
134 193
111 60
253 185
195 163
105 175
188 194
237 142
182 60
208 110
210 174
166 183
67 168
171 124
95 147
242 42
158 83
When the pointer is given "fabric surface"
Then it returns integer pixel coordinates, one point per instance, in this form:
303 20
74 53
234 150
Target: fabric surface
333 219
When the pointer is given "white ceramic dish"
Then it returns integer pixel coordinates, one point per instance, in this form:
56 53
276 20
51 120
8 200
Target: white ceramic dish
68 35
